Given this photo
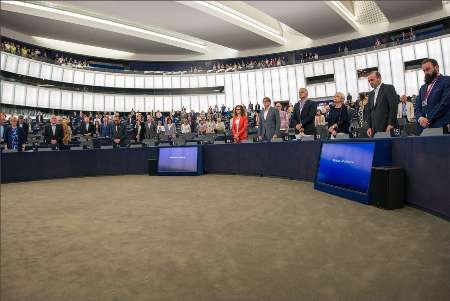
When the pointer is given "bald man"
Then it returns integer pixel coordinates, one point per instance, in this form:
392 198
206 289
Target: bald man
304 114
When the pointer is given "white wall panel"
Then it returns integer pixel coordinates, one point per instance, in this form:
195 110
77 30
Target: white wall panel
220 100
195 103
446 50
57 74
339 75
149 103
435 52
276 93
3 60
184 82
99 102
7 92
211 80
186 102
267 84
159 103
129 81
408 53
46 71
212 100
398 76
228 90
119 81
318 69
99 79
176 82
420 78
68 75
43 98
236 88
385 66
149 82
330 89
421 50
78 77
202 81
411 85
203 103
311 91
139 82
243 77
89 78
372 60
88 102
308 69
168 103
176 102
321 90
329 67
363 85
252 94
167 82
77 101
35 69
109 103
300 75
360 61
110 80
351 76
284 84
66 100
12 63
292 81
139 103
259 81
24 64
19 94
129 103
55 99
119 103
193 82
32 96
220 80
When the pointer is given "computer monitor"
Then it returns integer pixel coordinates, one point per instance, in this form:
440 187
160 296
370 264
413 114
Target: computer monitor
181 160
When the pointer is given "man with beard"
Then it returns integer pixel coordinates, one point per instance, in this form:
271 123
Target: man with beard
383 105
432 107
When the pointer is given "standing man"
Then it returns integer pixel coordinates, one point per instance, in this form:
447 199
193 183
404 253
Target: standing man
383 104
150 128
269 121
304 114
405 109
87 128
119 134
432 107
53 132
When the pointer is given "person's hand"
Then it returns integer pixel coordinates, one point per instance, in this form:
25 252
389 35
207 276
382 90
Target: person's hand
298 126
53 141
117 141
369 132
331 129
260 138
274 136
388 129
423 122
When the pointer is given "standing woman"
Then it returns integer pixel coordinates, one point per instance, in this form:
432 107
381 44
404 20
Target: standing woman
67 137
14 135
139 129
169 129
239 124
338 121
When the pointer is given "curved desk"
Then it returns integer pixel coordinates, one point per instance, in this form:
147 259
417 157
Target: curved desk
426 161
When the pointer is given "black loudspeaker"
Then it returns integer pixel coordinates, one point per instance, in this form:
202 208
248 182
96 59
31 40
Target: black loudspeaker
388 187
152 167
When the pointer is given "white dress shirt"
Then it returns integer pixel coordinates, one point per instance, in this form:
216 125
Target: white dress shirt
376 90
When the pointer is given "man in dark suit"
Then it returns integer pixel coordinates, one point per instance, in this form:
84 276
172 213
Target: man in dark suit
87 128
257 107
24 125
39 118
53 132
150 128
383 105
304 114
269 121
119 134
432 107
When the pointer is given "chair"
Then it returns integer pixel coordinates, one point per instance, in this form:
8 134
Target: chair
432 132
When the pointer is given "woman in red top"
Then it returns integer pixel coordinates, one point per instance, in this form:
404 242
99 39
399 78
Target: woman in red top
239 124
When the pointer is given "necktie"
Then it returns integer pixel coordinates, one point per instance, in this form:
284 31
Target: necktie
53 130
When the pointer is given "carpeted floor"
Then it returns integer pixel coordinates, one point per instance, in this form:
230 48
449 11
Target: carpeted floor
130 238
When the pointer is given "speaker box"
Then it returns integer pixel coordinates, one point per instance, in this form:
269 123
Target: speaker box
388 187
152 167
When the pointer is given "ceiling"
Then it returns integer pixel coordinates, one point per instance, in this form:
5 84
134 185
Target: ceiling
239 28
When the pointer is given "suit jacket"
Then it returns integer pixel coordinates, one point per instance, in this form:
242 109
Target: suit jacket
438 103
119 133
409 111
48 134
172 132
243 124
39 119
150 130
105 130
20 136
25 128
269 126
384 112
141 133
306 117
90 130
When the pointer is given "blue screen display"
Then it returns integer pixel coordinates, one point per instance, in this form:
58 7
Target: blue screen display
178 159
346 165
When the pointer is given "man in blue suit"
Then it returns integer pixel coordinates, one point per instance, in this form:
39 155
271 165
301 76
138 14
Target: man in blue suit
432 108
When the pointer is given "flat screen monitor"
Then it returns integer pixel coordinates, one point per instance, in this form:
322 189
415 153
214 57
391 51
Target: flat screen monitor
185 160
345 169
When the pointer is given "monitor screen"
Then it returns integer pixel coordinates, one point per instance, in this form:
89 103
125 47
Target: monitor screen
177 159
346 165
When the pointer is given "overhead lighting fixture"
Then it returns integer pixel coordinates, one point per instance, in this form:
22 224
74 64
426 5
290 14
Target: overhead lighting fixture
225 10
105 22
340 8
